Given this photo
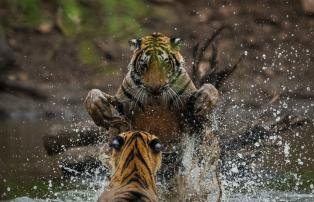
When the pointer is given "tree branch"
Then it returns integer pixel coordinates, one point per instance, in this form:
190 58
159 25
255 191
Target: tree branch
198 54
217 78
15 87
258 132
59 139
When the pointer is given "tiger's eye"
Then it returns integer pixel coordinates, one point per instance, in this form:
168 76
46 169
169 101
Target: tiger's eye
117 142
156 145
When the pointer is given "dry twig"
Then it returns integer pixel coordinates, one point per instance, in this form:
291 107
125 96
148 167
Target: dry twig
15 87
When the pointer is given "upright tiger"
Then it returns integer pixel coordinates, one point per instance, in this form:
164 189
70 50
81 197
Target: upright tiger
157 95
135 159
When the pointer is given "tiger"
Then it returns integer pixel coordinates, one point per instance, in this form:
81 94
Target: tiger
157 95
135 160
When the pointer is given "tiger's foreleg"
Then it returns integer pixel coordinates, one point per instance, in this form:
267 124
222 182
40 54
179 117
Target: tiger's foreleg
203 100
102 108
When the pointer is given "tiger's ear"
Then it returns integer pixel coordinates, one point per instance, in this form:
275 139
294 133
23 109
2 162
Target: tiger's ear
134 44
176 42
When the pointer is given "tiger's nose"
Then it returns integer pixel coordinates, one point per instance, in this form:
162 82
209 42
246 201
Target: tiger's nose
155 90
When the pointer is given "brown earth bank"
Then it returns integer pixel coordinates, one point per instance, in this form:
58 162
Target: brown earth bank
44 79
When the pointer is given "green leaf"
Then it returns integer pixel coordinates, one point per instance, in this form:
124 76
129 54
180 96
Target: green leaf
28 10
122 16
69 17
87 53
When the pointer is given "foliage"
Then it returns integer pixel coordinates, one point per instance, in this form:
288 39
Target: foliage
78 20
121 16
87 53
113 17
25 12
69 17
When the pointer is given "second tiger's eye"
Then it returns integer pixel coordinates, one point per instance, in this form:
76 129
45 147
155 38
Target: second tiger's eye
156 145
117 142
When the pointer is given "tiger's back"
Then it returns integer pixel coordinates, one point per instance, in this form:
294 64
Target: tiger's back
135 159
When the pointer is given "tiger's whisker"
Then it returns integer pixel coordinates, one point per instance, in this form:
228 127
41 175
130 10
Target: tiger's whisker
173 97
134 103
177 96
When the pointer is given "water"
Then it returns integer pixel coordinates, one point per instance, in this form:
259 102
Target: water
262 196
283 173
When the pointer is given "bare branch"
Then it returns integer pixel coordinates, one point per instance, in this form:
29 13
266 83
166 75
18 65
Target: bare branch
217 78
59 138
15 87
213 60
258 132
287 122
298 95
85 160
195 77
198 54
207 42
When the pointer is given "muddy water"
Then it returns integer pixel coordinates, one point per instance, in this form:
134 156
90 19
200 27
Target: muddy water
23 160
21 149
28 174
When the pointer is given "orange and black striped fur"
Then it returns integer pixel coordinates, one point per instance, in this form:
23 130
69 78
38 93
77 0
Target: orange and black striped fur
157 94
135 159
155 91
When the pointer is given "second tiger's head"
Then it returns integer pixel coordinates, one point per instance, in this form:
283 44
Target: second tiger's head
131 149
156 62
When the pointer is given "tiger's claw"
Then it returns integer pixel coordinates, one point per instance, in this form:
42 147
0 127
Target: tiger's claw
101 108
205 98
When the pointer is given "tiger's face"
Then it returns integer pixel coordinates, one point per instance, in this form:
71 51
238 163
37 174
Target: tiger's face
156 63
131 149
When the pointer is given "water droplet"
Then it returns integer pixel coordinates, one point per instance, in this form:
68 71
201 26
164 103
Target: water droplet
49 183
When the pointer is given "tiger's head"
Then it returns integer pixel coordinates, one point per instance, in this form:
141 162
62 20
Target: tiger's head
135 150
156 62
135 159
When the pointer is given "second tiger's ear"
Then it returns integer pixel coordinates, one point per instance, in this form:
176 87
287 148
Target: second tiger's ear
134 44
176 42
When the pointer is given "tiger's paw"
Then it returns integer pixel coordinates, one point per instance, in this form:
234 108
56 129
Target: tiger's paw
205 98
100 107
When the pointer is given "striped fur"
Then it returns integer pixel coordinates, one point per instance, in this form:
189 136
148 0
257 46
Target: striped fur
156 74
134 166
